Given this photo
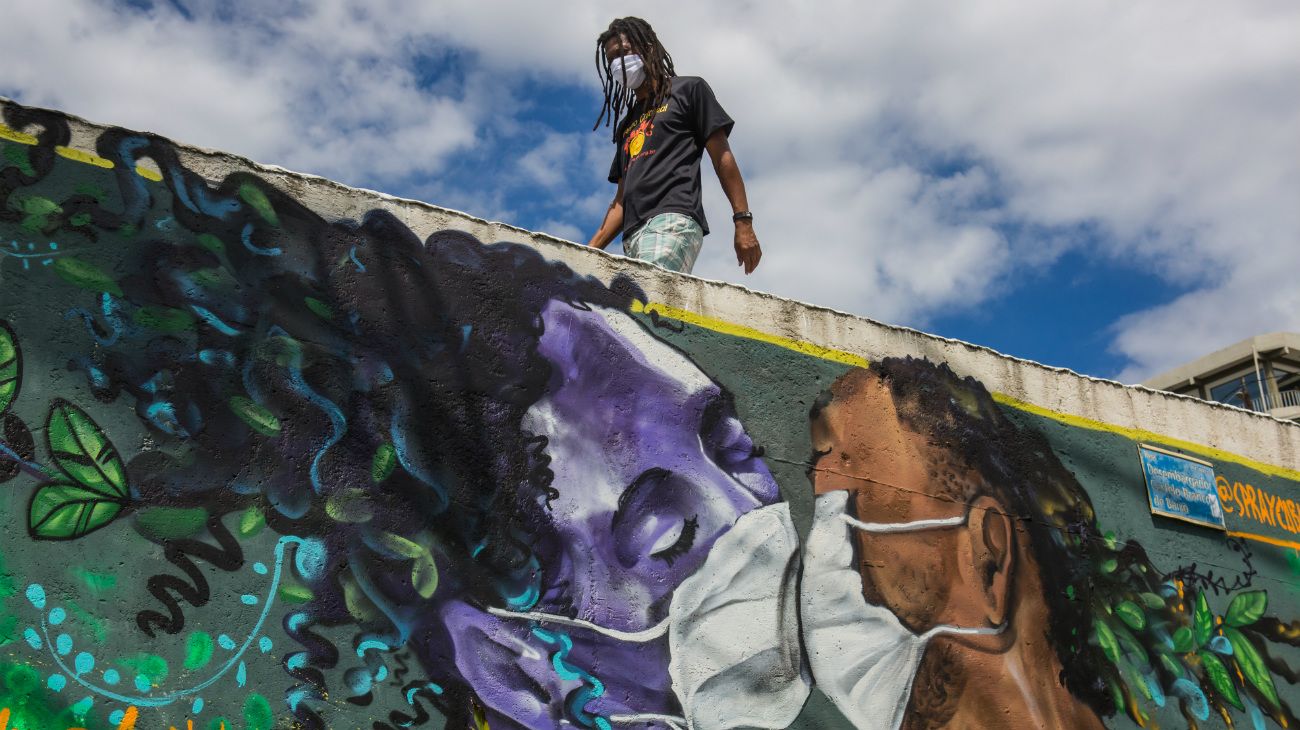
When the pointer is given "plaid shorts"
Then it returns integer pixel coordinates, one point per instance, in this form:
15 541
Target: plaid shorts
670 240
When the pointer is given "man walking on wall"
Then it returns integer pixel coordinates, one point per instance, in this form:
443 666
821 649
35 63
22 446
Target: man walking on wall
663 123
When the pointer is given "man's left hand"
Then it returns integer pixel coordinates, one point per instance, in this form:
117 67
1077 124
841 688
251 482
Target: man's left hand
748 252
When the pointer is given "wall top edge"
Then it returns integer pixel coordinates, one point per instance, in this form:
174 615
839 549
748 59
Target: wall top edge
1056 389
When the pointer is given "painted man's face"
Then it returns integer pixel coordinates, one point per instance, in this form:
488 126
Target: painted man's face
865 449
652 467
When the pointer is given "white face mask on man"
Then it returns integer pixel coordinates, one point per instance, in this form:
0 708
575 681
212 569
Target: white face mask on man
628 70
733 631
861 655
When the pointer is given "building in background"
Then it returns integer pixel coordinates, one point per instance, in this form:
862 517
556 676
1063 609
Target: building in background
1260 374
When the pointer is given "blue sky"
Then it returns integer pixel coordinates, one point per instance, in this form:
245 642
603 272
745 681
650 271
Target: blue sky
1103 186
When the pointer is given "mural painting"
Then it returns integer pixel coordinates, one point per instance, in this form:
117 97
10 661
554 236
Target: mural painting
264 467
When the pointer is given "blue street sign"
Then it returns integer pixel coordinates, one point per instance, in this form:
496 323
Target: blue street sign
1181 487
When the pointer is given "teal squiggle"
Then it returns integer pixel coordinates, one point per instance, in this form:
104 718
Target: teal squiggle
592 687
170 697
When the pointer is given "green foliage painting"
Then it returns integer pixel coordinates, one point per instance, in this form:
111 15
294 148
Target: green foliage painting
94 490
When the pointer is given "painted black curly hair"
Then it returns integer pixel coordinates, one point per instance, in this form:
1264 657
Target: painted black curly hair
397 372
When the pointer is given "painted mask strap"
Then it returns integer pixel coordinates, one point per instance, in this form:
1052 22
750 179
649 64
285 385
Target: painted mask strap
916 526
635 637
943 630
672 721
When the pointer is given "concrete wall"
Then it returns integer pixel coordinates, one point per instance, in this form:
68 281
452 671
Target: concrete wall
280 453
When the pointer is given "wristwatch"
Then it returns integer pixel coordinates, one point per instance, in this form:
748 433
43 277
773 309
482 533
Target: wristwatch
743 215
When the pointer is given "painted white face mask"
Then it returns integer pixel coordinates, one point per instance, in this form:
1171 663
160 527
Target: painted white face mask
733 631
861 655
633 66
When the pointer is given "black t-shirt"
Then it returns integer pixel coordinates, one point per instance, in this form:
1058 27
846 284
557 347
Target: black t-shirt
659 156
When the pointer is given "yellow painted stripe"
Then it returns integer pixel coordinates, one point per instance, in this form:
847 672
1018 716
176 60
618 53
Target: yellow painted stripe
848 358
85 157
1265 539
737 330
76 155
1138 434
15 136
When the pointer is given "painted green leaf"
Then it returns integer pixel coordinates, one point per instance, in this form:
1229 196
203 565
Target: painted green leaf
1183 640
381 467
1106 640
251 522
80 219
212 243
36 205
1134 679
258 418
1246 608
424 576
357 602
1171 665
35 223
1109 565
294 594
1131 614
1152 601
11 366
168 523
252 195
1202 620
97 582
198 650
83 452
85 275
163 319
319 308
1251 664
1131 647
402 546
93 190
17 155
64 511
349 505
257 713
1220 679
150 666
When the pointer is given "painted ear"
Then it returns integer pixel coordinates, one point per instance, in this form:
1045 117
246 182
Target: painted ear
990 559
506 667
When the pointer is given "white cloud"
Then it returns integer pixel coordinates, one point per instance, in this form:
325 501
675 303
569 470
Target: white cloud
887 146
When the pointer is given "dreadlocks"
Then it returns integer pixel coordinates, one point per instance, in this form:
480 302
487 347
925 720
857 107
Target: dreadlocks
619 100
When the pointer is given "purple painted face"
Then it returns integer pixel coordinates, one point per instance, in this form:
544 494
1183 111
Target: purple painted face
652 467
650 461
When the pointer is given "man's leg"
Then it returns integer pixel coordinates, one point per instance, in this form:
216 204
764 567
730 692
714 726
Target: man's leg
670 240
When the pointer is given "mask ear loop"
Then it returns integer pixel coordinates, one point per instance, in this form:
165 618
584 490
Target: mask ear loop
918 526
672 721
915 526
634 637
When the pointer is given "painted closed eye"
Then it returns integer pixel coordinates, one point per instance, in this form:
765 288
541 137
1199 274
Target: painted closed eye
724 435
680 545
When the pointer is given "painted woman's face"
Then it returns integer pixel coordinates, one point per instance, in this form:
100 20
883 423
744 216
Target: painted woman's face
651 466
649 459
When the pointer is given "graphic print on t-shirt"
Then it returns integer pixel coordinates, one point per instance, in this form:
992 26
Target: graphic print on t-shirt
635 141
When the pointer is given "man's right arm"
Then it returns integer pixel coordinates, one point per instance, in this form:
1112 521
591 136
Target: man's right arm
613 222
